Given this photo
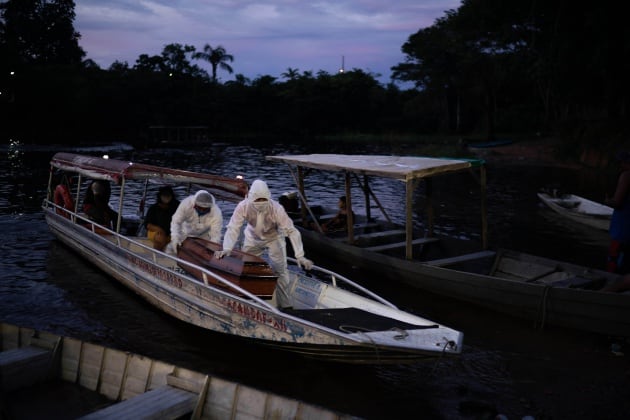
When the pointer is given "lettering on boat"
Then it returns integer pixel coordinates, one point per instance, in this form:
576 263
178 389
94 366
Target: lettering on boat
157 272
255 314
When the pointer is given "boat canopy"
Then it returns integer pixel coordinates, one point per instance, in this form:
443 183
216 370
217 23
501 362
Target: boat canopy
403 168
118 171
408 169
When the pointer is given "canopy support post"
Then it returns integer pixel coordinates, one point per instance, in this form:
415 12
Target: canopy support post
409 217
366 193
429 206
484 210
350 219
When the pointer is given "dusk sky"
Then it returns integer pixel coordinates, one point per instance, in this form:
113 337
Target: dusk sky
265 37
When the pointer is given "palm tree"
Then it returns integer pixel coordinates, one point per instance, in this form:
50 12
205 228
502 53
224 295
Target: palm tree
217 57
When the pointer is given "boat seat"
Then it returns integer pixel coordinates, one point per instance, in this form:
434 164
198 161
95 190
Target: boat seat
24 366
461 258
381 234
385 247
165 402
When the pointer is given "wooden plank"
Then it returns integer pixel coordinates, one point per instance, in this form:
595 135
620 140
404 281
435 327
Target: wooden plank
23 367
385 247
165 402
460 258
381 234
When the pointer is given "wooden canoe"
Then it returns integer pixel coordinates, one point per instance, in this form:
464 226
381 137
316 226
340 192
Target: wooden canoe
97 382
579 209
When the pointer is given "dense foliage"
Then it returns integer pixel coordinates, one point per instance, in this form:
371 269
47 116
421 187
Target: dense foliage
519 67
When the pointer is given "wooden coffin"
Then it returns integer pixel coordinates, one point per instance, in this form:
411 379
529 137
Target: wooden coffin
247 271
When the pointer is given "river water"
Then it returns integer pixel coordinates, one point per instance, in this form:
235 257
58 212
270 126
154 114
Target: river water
508 366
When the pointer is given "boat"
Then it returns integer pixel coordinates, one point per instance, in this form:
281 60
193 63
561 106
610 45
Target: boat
330 317
578 209
545 291
107 383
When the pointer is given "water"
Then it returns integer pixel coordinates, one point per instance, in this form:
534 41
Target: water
506 367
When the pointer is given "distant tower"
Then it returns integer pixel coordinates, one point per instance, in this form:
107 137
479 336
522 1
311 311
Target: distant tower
342 69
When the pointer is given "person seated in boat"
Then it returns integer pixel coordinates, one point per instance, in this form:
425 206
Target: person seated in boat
289 201
268 225
159 216
618 251
340 221
96 204
197 215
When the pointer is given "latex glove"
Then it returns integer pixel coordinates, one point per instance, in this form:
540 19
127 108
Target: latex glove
171 248
224 253
305 263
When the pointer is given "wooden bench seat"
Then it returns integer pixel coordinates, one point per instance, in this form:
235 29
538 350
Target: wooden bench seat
165 402
461 258
24 366
386 247
380 234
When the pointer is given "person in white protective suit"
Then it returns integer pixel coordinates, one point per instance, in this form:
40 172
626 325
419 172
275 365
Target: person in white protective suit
197 215
267 226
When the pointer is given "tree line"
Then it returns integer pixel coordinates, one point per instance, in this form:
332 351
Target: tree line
489 68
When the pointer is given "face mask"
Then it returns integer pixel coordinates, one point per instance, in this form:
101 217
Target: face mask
261 206
201 211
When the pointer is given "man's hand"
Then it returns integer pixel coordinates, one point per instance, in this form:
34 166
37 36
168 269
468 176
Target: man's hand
305 263
220 254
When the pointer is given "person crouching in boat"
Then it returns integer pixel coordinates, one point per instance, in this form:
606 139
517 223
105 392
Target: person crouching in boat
267 226
197 215
96 204
159 216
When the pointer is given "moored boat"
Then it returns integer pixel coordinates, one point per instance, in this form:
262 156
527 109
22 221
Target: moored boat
195 288
108 383
579 209
546 291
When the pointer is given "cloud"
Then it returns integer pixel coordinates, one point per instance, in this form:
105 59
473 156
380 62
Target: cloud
265 37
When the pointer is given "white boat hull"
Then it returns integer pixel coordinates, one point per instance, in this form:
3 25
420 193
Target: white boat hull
579 209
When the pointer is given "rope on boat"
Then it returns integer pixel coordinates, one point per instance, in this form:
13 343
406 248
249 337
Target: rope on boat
542 308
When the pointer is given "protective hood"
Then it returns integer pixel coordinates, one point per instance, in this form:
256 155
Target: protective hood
259 189
204 199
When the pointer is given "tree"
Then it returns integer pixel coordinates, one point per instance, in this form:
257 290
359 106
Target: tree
217 57
39 32
291 74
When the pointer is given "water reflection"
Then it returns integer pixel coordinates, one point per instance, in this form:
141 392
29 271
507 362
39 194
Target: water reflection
44 285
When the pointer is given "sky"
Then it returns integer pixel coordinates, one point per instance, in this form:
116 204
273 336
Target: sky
266 37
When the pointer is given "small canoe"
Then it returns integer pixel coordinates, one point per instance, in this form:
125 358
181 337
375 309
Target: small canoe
579 209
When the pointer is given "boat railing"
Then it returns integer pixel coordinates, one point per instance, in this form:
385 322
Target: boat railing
336 276
120 240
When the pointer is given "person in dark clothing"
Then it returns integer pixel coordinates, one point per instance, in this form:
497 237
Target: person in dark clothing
618 252
96 204
340 221
159 215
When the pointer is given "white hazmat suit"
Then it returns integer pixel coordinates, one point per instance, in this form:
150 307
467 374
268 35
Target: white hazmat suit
197 215
268 224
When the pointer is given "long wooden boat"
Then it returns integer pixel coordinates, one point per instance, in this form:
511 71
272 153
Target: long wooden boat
193 288
126 385
579 209
543 290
